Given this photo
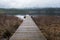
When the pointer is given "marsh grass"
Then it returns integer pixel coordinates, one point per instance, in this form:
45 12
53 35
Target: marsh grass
8 25
49 26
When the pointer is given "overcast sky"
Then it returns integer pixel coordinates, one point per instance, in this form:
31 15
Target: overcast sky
29 3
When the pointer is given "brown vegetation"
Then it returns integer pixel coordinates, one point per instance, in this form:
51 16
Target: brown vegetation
8 25
49 26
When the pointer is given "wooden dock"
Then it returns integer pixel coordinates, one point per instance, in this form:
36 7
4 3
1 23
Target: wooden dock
28 31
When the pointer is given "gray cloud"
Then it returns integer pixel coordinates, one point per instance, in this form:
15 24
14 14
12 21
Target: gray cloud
29 3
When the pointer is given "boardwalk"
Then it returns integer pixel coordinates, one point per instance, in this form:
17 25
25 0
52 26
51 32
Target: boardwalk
28 31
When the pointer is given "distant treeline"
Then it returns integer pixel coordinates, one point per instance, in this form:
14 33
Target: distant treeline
37 11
